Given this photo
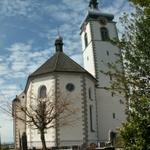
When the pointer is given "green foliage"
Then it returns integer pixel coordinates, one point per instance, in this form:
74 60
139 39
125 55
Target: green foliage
136 131
145 4
119 141
134 82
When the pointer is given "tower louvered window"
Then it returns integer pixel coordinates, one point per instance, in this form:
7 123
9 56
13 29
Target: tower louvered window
104 34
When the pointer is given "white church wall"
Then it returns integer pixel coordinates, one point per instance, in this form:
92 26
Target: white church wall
96 53
88 55
72 134
88 59
33 134
106 54
92 118
101 53
110 112
87 30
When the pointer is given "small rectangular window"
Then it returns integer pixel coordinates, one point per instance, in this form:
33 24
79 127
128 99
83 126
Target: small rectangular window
114 115
107 53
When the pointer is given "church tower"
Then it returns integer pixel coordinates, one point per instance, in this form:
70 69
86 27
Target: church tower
96 31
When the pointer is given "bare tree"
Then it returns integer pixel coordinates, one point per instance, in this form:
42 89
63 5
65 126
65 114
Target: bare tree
45 113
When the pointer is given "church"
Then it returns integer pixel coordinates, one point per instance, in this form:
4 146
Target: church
100 111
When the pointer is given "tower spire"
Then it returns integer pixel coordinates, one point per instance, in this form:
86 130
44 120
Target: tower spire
93 4
59 44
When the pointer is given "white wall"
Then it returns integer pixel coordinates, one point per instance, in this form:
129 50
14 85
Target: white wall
101 53
92 135
72 134
107 105
88 55
33 134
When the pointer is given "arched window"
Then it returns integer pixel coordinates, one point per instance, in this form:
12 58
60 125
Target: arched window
91 118
85 40
104 34
90 93
42 92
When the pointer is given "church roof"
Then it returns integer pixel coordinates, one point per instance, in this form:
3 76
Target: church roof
59 62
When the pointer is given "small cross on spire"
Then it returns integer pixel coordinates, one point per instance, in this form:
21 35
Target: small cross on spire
93 4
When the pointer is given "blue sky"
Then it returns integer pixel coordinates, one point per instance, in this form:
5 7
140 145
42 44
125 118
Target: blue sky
28 29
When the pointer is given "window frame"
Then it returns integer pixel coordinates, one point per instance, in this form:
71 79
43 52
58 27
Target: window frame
104 34
85 40
91 118
90 93
40 94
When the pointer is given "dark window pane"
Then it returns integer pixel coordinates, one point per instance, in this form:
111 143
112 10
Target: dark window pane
91 118
42 93
114 115
104 34
90 93
85 40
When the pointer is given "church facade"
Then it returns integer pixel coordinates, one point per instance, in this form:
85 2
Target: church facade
99 110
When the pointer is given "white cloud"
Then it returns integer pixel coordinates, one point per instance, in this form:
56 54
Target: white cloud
9 91
19 8
3 69
22 57
76 5
115 7
1 59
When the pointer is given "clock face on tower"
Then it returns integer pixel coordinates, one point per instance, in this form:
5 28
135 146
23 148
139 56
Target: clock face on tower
103 20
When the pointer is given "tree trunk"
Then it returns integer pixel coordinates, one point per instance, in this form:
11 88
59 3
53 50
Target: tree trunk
43 140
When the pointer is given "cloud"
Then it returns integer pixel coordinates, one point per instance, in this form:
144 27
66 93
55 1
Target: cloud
25 8
23 56
3 68
115 7
22 60
77 5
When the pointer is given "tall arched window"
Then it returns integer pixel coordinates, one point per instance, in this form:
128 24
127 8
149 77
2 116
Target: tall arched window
85 40
42 92
104 34
90 93
91 118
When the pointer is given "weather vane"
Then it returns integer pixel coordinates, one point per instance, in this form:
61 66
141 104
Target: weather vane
93 4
